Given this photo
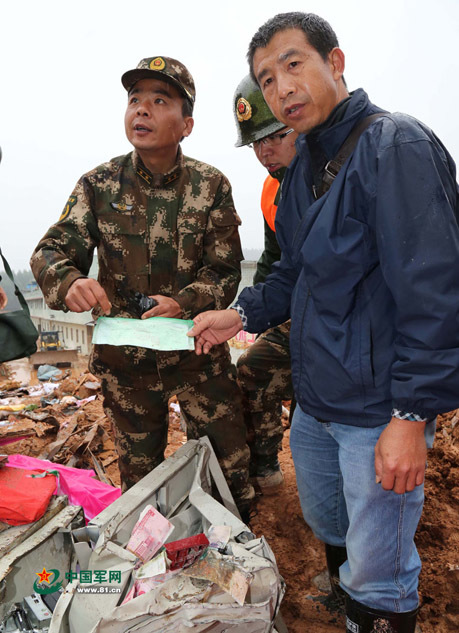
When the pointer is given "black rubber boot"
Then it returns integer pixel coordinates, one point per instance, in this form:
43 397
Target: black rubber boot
335 556
362 619
335 600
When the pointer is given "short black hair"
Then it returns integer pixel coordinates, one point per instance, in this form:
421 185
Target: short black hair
318 32
187 110
187 107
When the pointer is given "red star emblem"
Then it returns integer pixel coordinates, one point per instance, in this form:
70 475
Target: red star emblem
44 575
242 108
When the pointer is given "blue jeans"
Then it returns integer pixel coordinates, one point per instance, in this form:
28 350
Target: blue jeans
344 506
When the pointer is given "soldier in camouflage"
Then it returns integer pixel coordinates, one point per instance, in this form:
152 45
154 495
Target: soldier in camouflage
263 371
163 225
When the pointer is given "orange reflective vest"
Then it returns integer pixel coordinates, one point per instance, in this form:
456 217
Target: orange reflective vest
268 195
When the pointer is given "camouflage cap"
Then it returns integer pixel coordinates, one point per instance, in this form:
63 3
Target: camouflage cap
165 68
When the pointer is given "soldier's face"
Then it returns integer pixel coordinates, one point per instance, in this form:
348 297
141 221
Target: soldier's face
300 87
274 156
154 121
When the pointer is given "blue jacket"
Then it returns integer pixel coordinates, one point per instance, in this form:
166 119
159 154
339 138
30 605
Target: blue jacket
370 274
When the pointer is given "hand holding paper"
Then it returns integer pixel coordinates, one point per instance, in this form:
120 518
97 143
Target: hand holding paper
214 327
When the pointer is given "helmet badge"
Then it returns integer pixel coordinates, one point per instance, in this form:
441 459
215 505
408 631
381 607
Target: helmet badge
243 110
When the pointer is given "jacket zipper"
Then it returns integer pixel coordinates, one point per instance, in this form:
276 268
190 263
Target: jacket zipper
303 221
301 334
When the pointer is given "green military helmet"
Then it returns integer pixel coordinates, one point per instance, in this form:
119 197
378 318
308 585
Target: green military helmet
254 120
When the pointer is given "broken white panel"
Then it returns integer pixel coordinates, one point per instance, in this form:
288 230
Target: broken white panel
50 546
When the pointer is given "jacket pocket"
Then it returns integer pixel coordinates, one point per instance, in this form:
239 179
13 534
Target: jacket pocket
192 222
122 223
225 217
123 245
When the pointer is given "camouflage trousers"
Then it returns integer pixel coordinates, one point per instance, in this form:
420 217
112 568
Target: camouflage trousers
137 384
265 378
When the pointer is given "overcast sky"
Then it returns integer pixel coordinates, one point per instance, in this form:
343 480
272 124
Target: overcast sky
62 102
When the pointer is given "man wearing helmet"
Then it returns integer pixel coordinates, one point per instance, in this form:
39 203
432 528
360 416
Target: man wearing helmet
263 371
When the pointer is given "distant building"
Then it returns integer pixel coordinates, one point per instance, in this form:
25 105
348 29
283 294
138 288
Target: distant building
75 329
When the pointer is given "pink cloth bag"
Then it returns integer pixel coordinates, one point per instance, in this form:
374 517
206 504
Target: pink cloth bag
79 485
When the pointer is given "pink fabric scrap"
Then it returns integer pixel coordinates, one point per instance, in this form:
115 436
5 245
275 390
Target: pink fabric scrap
79 485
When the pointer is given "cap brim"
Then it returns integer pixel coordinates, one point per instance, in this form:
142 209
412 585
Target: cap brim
131 77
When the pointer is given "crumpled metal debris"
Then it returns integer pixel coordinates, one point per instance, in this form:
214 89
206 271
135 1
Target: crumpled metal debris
180 488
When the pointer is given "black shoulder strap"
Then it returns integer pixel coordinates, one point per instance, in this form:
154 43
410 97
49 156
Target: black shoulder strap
334 165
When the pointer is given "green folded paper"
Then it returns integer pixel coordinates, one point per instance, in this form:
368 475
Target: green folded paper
155 333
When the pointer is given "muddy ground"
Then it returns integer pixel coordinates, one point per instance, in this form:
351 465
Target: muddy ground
299 555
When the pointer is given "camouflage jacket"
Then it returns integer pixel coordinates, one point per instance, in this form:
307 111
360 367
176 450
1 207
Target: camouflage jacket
174 234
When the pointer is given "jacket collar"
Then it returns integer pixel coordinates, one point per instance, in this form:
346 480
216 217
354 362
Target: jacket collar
331 138
157 180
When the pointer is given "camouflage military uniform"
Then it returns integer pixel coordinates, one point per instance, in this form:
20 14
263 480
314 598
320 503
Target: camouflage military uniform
172 234
265 377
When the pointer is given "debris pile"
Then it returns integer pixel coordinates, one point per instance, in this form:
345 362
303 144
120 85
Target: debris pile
299 556
60 420
184 559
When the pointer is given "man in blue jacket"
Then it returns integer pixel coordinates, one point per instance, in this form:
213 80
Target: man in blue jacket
369 274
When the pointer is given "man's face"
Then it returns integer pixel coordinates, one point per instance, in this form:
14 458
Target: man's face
276 151
154 121
300 88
